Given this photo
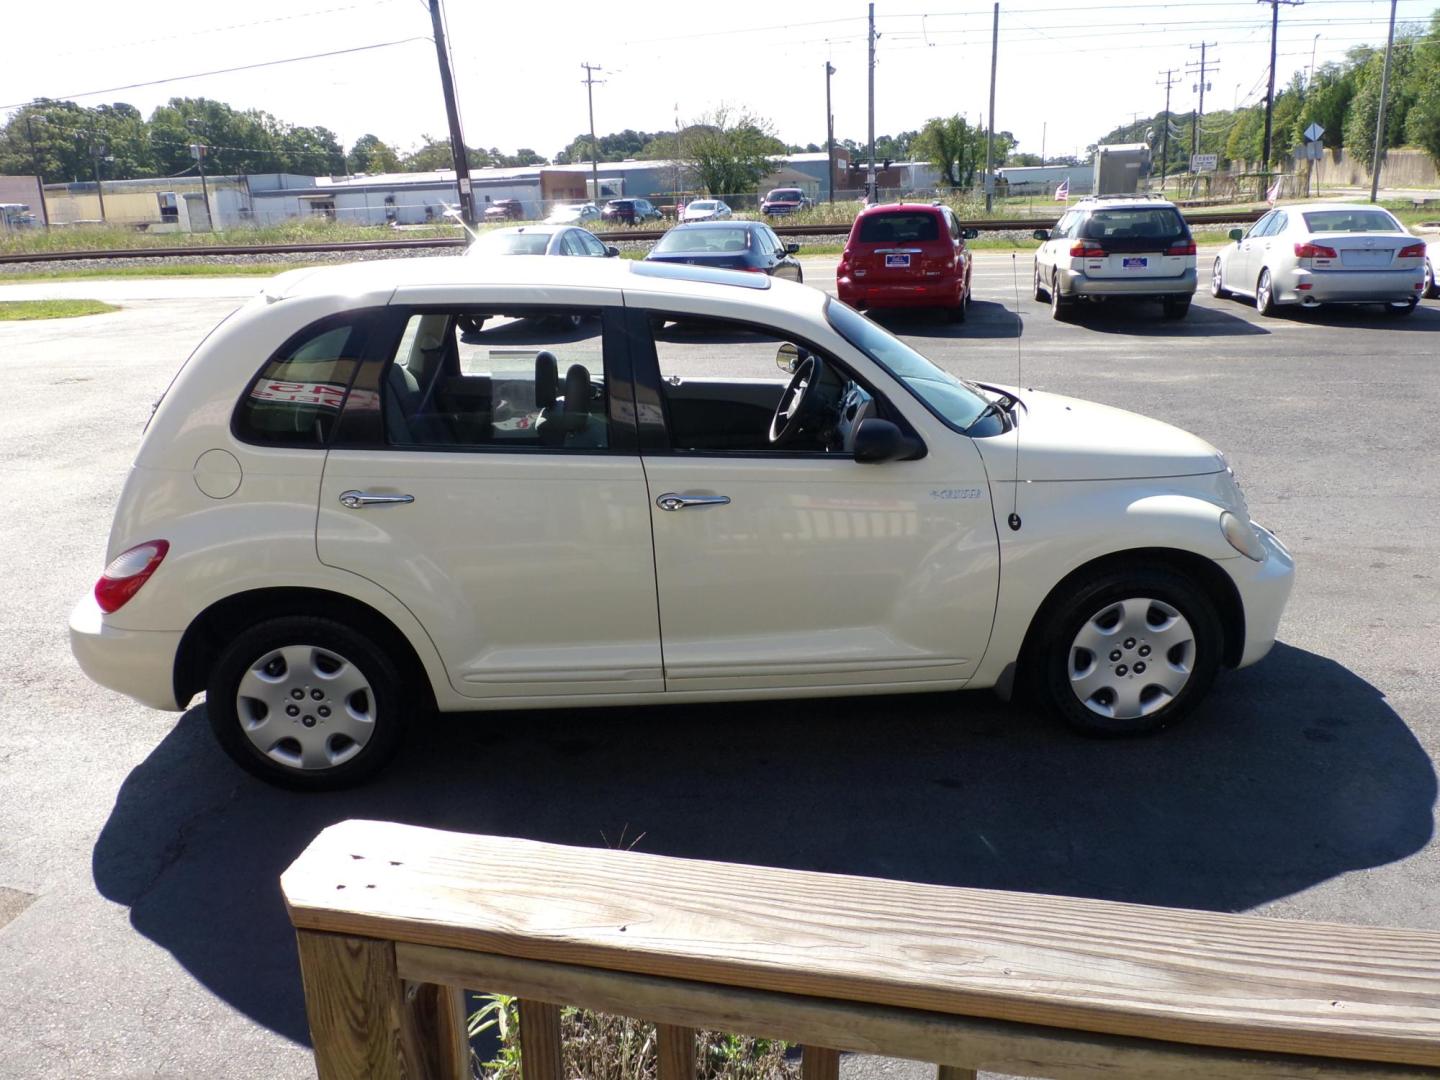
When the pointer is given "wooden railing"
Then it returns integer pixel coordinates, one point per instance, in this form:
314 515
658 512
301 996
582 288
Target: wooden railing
394 921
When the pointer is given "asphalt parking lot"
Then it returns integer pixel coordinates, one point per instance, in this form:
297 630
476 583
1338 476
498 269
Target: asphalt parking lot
141 927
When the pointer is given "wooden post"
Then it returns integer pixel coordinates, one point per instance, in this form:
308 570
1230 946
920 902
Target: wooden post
438 1017
355 1000
819 1063
676 1052
954 1072
540 1041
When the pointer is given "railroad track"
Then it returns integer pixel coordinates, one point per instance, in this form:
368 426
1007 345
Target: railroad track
986 225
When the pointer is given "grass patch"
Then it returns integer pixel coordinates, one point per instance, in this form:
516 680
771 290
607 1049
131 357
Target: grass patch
25 310
119 238
86 273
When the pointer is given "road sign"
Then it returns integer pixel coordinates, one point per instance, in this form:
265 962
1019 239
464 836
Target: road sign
1313 133
1204 162
1314 150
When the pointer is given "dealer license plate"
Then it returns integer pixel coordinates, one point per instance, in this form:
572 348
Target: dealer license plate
1135 263
897 260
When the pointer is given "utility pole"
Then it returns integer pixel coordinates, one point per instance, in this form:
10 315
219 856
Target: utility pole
990 131
1199 114
1380 116
1165 133
97 151
1270 93
1044 130
870 195
198 149
457 137
35 164
829 134
590 82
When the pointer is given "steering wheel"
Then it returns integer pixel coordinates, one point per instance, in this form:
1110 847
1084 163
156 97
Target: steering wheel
791 409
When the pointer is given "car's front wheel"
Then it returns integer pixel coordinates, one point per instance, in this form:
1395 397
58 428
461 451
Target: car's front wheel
1039 293
1129 651
1217 281
306 703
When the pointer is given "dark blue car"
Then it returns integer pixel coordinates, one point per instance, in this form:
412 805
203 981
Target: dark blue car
729 245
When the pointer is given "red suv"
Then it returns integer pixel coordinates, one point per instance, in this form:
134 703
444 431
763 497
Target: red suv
907 255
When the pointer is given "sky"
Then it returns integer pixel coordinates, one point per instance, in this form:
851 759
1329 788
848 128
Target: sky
1067 72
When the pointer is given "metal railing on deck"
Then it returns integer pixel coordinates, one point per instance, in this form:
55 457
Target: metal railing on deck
394 921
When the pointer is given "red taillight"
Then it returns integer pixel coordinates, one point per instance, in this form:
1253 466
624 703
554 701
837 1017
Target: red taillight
1414 251
127 572
1180 249
1085 251
1314 251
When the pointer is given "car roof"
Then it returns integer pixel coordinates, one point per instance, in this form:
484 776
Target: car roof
733 223
904 207
1351 206
545 230
382 277
1109 202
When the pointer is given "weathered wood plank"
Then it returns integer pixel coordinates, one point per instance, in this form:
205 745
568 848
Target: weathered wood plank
819 1063
951 1072
1124 969
675 1051
441 1028
540 1052
359 1021
991 1045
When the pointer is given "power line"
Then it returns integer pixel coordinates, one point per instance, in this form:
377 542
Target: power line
222 71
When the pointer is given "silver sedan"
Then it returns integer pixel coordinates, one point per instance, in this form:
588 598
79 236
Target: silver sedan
1317 254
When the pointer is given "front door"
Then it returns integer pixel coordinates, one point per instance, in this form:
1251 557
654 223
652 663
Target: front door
482 477
795 566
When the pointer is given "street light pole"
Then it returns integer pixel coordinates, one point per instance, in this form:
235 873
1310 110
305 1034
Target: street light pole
97 151
870 171
590 82
990 131
199 149
1380 117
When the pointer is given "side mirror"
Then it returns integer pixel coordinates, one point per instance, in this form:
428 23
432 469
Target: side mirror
611 251
788 357
1041 234
878 441
1237 234
791 249
969 234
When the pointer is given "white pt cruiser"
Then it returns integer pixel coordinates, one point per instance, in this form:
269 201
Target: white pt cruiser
468 484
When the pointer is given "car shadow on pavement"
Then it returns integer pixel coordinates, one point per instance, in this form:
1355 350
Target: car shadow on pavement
1148 320
1424 318
1293 773
986 319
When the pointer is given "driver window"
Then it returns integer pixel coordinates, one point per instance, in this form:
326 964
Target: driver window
721 388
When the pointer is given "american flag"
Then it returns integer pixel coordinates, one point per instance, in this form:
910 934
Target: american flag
1062 193
1274 192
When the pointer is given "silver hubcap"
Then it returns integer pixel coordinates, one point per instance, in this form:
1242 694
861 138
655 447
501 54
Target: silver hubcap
1262 294
1131 658
1215 285
305 707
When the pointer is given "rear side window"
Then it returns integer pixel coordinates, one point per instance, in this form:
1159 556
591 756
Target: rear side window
1139 223
899 227
297 397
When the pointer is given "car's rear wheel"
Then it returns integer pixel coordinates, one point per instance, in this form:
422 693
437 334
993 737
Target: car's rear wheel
1217 281
1129 651
1264 295
958 312
306 703
1059 306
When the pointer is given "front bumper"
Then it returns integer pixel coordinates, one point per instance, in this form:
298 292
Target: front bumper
1264 588
1075 283
1349 287
138 663
858 293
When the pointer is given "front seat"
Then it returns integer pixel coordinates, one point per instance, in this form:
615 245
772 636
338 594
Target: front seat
559 424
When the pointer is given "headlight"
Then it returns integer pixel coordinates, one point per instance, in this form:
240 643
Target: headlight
1242 536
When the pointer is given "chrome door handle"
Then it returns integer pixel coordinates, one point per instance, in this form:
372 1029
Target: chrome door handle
355 500
672 501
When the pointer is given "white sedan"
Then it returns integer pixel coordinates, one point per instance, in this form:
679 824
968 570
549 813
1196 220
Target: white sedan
573 214
1316 254
353 506
705 210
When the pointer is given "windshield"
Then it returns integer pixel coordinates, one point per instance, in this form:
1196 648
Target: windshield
707 239
1358 220
949 398
512 244
701 205
785 195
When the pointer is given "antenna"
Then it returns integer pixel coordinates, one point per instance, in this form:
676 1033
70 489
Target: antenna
1014 519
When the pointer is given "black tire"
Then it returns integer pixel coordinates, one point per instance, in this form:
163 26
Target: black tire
1403 309
1217 282
1082 603
1039 295
957 313
1176 309
1265 295
383 704
1059 306
799 277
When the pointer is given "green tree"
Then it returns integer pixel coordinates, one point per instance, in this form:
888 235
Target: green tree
956 149
728 152
370 155
1422 125
63 136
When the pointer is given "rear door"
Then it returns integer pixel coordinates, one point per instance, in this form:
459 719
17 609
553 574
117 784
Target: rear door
898 247
1137 242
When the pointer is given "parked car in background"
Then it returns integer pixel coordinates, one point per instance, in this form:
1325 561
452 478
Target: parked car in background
573 214
541 240
1317 254
1131 247
344 514
505 210
784 200
629 211
729 245
907 255
705 210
